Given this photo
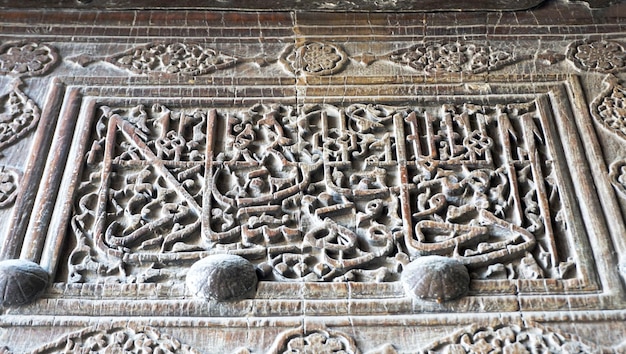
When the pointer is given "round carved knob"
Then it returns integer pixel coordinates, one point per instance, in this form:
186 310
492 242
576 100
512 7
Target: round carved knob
222 277
21 282
436 278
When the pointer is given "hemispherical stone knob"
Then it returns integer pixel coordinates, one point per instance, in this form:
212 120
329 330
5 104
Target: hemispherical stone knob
436 278
21 282
222 277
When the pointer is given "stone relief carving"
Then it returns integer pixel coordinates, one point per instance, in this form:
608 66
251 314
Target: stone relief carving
509 339
18 117
9 185
120 339
609 108
173 58
452 57
308 58
27 59
600 56
314 58
314 341
319 192
617 175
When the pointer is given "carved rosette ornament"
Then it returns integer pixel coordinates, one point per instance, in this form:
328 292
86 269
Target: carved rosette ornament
27 59
173 58
314 58
600 56
452 57
609 108
509 339
120 339
18 116
21 282
319 341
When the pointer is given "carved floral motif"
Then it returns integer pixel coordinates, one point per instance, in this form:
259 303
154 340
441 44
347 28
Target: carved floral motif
19 116
452 57
609 108
9 186
173 58
314 58
317 192
617 175
320 341
602 56
509 339
127 339
27 59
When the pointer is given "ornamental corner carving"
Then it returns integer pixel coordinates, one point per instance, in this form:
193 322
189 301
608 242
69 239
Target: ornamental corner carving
600 56
27 59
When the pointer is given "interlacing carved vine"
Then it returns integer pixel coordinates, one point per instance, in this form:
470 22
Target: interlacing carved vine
319 192
121 339
174 58
19 115
9 185
322 341
314 58
609 108
509 339
452 57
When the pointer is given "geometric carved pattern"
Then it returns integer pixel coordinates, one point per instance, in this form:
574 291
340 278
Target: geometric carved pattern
320 192
314 58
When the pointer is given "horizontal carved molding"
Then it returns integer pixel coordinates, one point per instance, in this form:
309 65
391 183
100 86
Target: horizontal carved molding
288 5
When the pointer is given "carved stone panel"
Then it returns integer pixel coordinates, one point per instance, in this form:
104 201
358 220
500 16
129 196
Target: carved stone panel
186 179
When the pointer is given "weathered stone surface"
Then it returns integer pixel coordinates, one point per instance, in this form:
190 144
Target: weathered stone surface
327 149
221 277
21 282
436 278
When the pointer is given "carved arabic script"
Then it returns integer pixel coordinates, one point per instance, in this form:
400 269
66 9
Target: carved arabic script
319 192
